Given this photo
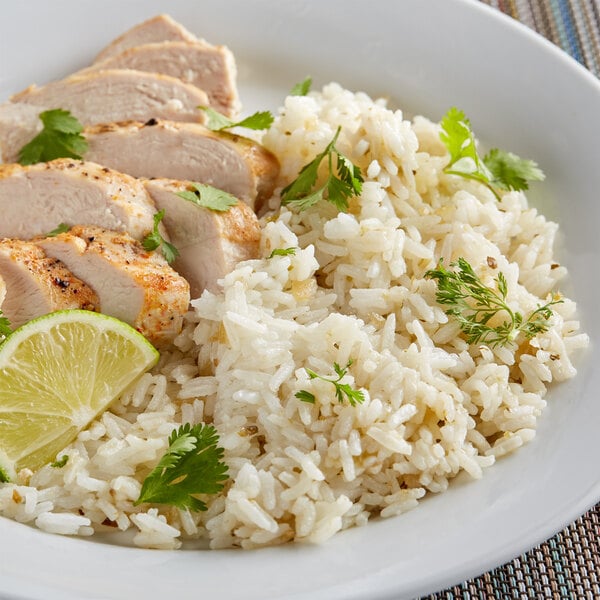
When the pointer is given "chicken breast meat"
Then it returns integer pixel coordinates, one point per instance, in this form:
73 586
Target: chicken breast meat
157 29
102 96
210 68
37 285
35 199
210 243
189 152
132 284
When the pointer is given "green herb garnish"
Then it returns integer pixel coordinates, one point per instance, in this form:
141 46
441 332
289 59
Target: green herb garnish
473 305
61 462
209 197
4 478
342 182
497 170
282 252
215 121
5 328
342 390
302 88
60 138
155 240
62 228
192 465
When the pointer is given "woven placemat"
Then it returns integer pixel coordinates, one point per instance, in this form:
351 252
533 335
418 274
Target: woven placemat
573 25
566 566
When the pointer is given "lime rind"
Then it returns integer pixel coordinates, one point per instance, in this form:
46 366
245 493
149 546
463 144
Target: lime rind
54 318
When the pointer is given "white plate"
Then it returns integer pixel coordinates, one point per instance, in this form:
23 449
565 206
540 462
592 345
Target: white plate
522 94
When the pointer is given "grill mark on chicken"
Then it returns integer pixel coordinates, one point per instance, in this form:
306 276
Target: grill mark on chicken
132 284
37 284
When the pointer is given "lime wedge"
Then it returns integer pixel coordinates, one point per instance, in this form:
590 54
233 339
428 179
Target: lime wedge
57 373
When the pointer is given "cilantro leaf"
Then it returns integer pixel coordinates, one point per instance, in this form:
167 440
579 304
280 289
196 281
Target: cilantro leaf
4 478
474 305
305 396
60 138
208 196
342 390
282 252
5 328
155 240
61 228
215 121
192 465
302 88
497 170
343 181
510 172
61 462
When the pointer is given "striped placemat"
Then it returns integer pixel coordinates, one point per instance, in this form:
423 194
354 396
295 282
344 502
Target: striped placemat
566 566
574 25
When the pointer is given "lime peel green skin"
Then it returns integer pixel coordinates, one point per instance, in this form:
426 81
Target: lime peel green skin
38 414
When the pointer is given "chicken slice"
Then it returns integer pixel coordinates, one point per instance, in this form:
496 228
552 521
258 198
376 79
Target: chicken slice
37 285
99 97
132 284
157 29
211 68
210 243
36 199
186 151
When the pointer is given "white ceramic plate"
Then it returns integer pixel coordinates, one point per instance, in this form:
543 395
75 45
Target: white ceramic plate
522 94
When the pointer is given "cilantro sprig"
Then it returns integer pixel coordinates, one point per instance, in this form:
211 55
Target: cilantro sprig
192 465
60 138
5 328
344 180
497 170
4 478
342 390
60 462
302 88
208 196
473 305
60 228
282 252
215 121
155 240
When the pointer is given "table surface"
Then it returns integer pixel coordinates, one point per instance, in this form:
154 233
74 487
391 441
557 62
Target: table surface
568 564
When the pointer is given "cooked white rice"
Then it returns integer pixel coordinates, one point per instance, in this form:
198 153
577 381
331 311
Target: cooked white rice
355 289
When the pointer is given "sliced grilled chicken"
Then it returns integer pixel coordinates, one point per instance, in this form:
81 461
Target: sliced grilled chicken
186 151
100 97
210 243
211 68
133 285
37 285
36 199
157 29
